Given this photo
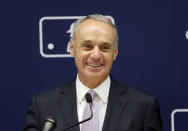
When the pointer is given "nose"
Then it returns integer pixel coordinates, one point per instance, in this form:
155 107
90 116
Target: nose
95 54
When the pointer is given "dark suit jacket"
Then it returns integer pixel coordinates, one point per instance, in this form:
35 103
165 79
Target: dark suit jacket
128 109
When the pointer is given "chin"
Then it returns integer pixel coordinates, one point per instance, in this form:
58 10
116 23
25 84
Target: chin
93 75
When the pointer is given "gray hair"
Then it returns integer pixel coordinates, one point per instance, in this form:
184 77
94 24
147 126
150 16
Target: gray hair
95 17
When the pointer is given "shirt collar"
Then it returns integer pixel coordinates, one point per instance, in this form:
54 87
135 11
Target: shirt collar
102 90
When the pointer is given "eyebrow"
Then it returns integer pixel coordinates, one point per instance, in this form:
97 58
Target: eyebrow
85 42
102 44
106 44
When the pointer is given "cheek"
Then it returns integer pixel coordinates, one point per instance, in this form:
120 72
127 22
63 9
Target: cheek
109 57
80 58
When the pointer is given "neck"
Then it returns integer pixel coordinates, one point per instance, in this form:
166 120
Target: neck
91 83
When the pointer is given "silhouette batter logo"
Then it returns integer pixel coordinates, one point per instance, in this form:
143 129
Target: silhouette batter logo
186 34
55 33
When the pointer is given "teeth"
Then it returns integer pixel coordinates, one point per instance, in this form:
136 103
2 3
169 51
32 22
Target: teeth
94 65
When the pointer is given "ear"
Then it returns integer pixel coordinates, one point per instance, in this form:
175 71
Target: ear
71 47
115 52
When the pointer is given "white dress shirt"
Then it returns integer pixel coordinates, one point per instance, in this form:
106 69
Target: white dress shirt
101 99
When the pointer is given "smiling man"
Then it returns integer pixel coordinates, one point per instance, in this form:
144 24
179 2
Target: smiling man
116 107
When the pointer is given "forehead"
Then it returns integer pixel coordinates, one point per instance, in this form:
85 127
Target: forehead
95 28
93 22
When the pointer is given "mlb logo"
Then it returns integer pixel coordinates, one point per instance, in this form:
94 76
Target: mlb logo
55 33
179 118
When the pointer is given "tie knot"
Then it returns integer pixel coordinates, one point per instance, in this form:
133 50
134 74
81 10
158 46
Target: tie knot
93 94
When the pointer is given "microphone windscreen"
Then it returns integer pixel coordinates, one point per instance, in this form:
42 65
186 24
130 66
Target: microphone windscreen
88 98
50 124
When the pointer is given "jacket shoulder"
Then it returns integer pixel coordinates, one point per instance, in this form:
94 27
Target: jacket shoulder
53 93
135 93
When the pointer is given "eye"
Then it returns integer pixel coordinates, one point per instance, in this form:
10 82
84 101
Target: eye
105 48
87 46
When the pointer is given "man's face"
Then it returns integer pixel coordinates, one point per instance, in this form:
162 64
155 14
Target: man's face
94 50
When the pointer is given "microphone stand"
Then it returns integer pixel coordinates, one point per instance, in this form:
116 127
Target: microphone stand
89 101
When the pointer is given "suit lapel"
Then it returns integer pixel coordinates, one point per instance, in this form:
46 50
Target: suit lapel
67 104
115 107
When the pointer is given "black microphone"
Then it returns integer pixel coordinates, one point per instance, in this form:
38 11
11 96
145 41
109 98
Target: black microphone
49 124
89 101
88 98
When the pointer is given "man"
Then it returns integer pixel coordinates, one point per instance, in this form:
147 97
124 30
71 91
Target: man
117 107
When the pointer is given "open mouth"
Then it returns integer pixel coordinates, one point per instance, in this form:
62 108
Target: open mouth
94 65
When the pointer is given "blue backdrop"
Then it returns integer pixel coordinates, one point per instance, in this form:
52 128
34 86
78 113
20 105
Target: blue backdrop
153 52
